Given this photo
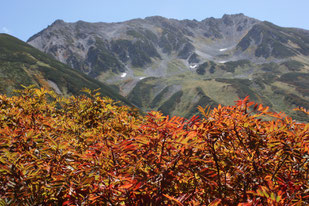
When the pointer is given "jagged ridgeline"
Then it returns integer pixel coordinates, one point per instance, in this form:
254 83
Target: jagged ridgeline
173 65
22 64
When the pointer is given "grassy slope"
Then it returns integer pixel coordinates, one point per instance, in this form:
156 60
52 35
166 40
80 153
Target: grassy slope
274 85
20 63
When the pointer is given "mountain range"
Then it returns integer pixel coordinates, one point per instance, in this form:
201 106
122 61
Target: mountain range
175 65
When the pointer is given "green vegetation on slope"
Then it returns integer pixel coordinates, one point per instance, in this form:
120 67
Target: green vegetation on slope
169 105
242 87
232 65
299 80
293 65
203 101
20 63
275 41
141 94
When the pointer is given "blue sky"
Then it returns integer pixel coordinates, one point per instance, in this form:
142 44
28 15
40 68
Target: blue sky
24 18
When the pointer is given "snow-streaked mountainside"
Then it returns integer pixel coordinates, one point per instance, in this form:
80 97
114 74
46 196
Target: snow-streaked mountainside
174 65
139 42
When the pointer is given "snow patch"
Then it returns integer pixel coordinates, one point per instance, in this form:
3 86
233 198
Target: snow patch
123 75
224 49
142 78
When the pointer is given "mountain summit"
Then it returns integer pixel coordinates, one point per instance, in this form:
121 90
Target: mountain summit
174 65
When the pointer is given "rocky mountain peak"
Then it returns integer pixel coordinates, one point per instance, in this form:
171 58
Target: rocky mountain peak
139 43
231 19
58 22
239 15
155 19
80 22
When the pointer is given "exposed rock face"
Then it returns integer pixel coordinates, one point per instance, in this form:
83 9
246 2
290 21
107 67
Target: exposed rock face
174 58
96 47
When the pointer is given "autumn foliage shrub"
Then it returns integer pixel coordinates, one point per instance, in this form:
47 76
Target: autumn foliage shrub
89 150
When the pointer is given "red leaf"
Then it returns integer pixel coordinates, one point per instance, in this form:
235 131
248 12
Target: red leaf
216 202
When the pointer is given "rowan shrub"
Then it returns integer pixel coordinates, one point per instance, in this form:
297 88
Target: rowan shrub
89 150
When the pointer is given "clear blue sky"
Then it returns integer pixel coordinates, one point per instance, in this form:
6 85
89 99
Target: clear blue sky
23 18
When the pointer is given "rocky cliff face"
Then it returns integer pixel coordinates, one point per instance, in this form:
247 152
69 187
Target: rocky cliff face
99 47
171 64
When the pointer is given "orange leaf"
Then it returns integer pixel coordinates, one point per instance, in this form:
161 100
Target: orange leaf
173 199
126 186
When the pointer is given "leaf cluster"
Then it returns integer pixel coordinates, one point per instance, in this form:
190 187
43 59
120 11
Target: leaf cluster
87 150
